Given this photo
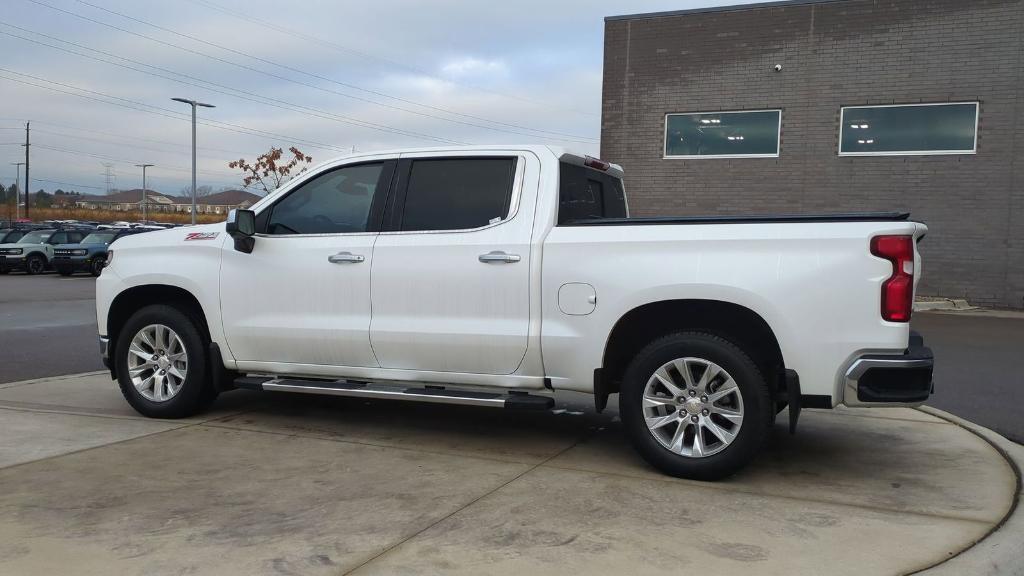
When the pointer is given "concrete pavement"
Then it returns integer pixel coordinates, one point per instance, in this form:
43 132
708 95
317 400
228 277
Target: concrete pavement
278 484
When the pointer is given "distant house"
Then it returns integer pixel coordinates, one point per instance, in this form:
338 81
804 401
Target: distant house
216 203
131 200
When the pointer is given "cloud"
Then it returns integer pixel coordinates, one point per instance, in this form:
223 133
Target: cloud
374 75
475 68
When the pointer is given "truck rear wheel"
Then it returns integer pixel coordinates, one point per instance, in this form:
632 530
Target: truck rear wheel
162 363
695 406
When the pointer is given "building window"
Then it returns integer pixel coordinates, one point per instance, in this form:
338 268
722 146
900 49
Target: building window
746 134
904 130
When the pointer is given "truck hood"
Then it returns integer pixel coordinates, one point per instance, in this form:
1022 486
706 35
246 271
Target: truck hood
186 235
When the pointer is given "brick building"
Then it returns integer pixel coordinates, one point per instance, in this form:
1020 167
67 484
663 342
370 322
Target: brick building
913 105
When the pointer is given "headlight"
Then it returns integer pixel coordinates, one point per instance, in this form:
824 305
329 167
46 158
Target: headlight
79 252
14 251
110 258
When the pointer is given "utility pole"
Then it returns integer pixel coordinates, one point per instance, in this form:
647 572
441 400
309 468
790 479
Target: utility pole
145 213
17 189
27 185
193 103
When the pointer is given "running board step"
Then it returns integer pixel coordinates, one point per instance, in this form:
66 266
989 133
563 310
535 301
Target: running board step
436 394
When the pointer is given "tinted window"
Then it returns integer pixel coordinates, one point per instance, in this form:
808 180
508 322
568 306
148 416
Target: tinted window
458 193
58 238
37 237
918 129
99 238
334 202
723 134
585 193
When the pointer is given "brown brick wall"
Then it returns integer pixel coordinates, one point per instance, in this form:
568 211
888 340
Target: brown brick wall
835 53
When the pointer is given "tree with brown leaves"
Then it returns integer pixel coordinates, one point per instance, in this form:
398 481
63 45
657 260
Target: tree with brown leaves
268 172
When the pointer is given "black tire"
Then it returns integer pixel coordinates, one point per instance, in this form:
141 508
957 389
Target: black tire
96 266
757 405
35 264
196 391
4 271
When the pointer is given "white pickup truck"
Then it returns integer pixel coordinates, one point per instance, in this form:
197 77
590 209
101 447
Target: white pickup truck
494 276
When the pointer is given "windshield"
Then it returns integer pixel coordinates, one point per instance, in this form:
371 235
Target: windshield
99 238
35 237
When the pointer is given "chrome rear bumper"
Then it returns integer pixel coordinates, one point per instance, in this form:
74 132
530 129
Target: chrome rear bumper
883 379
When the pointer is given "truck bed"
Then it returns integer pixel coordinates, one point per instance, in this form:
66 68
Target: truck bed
752 219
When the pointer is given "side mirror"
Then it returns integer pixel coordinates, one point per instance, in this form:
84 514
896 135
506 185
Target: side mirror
242 227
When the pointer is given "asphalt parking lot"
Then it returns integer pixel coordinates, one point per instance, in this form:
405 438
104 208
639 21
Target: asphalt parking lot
48 328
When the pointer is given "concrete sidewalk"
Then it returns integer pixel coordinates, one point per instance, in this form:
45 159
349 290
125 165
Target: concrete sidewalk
278 484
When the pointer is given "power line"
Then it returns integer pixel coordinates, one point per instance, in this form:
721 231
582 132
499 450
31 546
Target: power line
242 94
333 81
106 157
133 146
165 112
582 139
59 183
348 49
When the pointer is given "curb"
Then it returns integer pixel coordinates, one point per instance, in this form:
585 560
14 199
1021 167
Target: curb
17 383
942 304
1000 551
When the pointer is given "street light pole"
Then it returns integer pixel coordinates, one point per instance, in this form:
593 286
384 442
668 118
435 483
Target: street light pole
17 186
145 213
193 103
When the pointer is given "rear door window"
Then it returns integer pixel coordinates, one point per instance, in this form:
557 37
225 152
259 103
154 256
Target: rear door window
457 193
586 193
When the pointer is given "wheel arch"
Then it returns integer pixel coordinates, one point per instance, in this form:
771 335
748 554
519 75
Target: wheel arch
647 322
130 300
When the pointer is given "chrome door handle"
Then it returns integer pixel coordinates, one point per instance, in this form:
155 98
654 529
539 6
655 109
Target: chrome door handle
345 258
498 257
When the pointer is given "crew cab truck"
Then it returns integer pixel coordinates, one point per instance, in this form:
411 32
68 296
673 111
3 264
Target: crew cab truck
493 276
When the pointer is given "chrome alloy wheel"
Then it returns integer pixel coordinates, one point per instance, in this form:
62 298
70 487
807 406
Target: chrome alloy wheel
157 362
693 407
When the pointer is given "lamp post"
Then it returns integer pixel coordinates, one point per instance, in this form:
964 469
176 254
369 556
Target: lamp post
193 103
145 213
17 185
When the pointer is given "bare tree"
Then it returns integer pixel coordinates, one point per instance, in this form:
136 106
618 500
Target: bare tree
268 172
201 191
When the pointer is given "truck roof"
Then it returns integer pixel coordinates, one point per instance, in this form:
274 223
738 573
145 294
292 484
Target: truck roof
557 151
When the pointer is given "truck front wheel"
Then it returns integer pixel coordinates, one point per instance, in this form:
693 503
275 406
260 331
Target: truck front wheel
695 406
162 364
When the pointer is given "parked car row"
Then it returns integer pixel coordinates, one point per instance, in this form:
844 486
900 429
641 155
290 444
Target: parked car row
66 248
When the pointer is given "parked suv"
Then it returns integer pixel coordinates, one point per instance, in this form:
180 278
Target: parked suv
89 255
34 251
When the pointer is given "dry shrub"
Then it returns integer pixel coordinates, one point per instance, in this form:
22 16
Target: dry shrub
106 216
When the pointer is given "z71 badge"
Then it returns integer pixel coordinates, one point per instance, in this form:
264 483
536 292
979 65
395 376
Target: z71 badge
201 235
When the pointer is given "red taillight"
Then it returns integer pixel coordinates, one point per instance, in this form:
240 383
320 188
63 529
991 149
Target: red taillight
596 163
898 290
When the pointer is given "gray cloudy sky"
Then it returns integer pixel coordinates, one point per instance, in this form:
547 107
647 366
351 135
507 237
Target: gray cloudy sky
322 75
